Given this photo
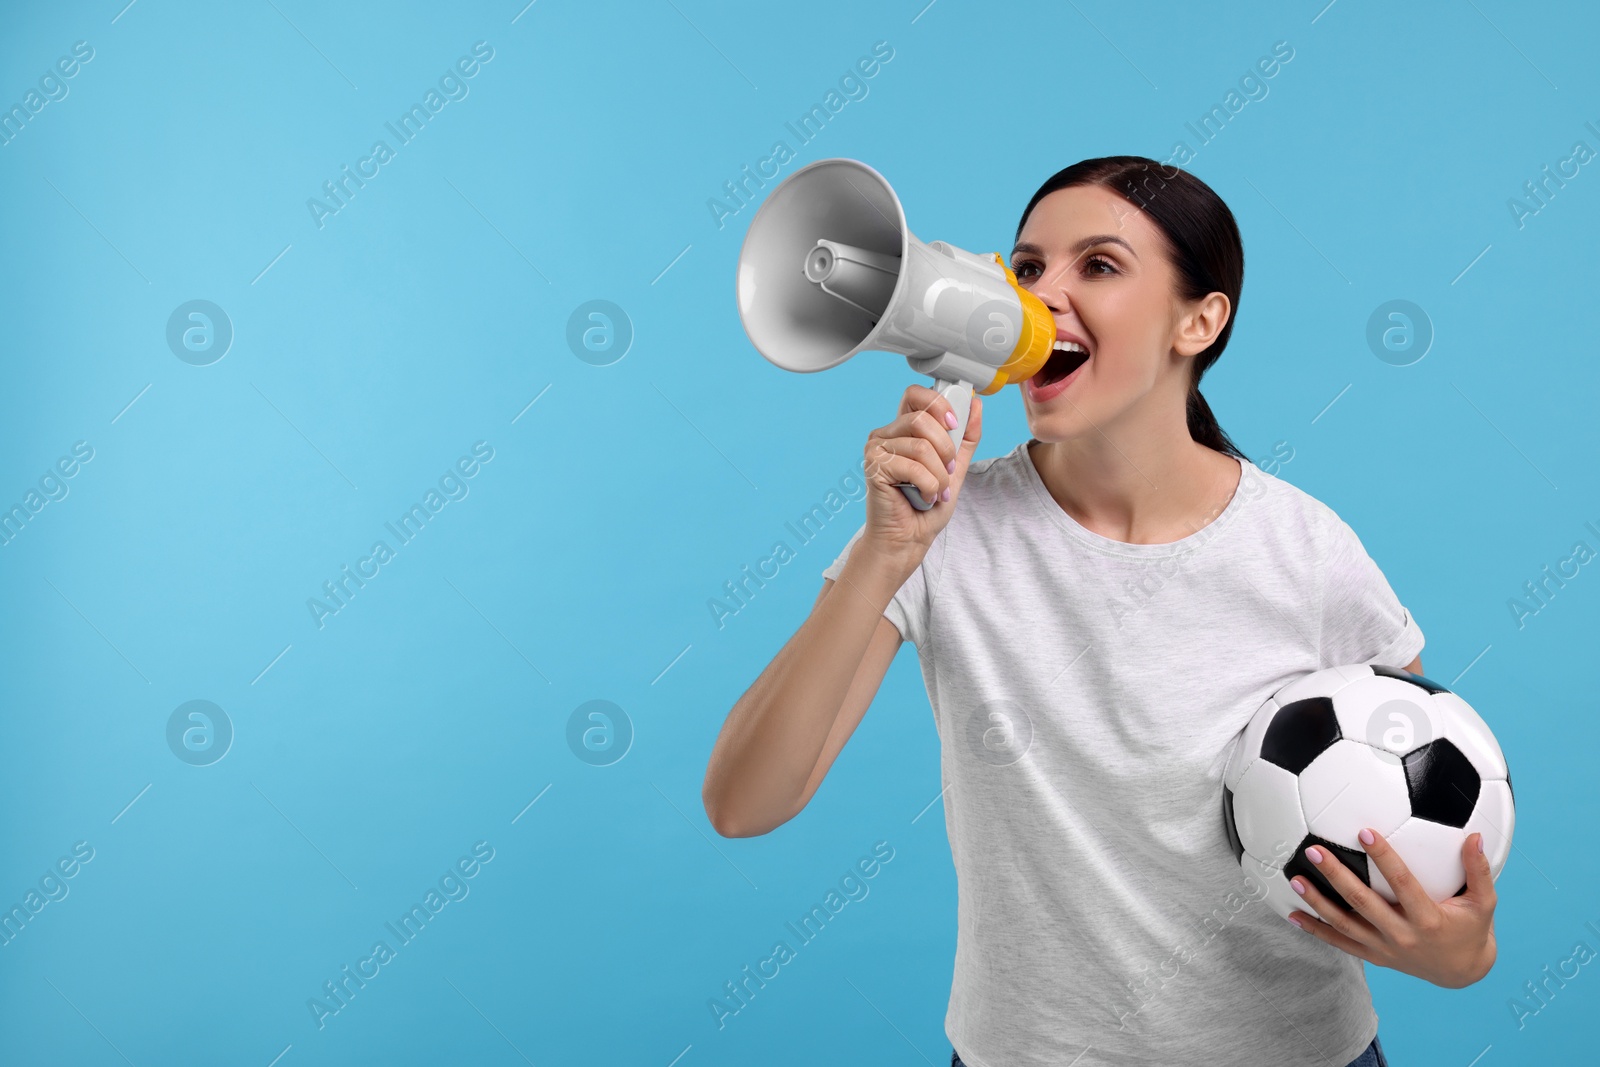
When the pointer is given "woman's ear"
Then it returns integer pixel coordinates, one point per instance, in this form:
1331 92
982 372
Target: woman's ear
1201 323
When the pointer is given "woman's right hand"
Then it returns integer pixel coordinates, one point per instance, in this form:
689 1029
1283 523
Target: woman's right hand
917 448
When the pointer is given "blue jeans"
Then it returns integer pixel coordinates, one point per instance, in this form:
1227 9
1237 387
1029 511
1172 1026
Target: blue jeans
1372 1057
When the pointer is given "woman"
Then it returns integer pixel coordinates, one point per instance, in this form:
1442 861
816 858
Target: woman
1097 614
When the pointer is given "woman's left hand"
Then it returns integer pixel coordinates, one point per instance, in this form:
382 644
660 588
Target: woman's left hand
1449 942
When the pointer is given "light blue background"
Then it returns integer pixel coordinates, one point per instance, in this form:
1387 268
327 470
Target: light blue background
429 312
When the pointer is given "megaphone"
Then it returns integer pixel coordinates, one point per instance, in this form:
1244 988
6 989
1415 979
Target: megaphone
829 268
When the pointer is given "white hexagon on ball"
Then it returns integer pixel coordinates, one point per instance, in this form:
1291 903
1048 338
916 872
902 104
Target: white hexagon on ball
1494 817
1266 810
1345 789
1431 852
1392 716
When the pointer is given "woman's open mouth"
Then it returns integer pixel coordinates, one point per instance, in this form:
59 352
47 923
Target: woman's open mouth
1058 372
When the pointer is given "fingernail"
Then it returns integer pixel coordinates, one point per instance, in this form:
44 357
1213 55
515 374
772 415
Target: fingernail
951 466
1480 844
1366 836
950 419
946 494
1315 854
1299 886
1296 921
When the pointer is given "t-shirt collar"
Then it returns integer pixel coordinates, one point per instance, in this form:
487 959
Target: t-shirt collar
1099 542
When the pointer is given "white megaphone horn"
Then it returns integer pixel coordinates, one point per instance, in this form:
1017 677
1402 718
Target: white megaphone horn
829 268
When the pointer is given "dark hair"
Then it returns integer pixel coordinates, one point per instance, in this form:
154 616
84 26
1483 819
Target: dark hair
1202 242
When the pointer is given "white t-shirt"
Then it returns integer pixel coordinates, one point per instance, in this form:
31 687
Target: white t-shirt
1087 693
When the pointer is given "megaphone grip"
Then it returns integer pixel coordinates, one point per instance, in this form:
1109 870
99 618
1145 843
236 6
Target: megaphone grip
959 394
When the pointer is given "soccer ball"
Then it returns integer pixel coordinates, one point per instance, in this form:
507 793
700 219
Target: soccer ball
1356 746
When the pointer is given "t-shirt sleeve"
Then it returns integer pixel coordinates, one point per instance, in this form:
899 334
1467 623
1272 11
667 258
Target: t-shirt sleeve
1362 619
908 608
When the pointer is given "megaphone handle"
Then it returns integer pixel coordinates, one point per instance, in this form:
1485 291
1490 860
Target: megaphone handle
960 396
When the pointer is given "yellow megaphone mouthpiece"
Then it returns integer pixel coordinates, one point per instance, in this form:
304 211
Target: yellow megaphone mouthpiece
1037 340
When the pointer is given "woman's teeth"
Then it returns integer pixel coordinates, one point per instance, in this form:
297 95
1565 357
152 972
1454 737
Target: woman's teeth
1067 357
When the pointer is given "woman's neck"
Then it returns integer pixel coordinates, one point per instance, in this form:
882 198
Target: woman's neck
1150 491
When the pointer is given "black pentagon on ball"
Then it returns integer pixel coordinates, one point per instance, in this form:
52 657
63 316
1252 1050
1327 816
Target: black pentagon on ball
1228 826
1508 786
1353 859
1301 731
1406 676
1443 783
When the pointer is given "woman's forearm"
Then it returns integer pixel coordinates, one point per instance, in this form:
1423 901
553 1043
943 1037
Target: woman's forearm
773 737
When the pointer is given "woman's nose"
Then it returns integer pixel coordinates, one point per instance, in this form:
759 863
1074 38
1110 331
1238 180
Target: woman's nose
1053 291
1055 297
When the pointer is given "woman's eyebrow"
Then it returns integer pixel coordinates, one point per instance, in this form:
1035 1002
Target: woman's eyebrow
1079 248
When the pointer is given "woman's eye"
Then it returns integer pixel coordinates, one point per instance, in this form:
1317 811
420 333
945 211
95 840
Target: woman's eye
1093 265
